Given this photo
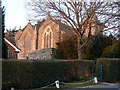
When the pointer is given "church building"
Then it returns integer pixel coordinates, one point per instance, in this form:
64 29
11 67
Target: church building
33 38
37 42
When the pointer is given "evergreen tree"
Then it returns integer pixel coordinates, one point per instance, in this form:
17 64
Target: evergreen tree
0 30
112 51
67 49
10 33
96 47
4 46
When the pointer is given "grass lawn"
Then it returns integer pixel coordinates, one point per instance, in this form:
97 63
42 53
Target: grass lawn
68 86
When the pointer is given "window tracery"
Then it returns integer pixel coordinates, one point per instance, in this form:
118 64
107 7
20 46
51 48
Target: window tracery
47 37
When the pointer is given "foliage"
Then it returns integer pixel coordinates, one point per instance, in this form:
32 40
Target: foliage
58 54
112 51
34 74
4 46
67 47
94 48
110 69
10 33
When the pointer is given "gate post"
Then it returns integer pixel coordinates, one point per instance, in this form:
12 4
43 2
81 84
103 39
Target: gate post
101 68
92 71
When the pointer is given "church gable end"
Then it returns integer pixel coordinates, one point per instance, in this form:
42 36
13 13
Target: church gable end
48 34
18 34
27 41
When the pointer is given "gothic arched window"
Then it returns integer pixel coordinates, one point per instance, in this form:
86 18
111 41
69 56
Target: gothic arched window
47 36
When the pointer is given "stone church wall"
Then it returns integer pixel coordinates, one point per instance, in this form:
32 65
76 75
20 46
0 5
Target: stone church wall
42 54
54 31
26 41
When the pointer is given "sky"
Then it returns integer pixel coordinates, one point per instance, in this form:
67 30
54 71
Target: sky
16 13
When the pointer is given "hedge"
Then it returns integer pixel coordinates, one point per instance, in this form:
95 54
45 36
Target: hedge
35 74
110 69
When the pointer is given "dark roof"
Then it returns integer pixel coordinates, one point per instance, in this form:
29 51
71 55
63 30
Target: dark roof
11 44
63 27
11 39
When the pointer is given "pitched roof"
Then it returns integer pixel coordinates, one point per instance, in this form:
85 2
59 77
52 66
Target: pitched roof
62 26
12 45
21 32
18 34
11 39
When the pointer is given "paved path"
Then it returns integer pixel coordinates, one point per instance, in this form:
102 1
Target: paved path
114 86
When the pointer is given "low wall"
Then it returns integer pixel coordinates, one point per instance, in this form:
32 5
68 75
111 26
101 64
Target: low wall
42 54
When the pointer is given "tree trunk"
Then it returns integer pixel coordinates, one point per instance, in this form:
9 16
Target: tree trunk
79 49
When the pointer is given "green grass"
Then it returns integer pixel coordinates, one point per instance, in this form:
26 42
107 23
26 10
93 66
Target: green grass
68 86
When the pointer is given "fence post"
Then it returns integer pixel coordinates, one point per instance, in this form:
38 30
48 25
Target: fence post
12 88
92 71
57 84
101 68
95 80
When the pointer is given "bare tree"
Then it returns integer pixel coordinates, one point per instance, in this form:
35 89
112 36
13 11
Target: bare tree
79 15
110 16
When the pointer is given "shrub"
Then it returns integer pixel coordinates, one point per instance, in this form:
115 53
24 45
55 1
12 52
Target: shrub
67 48
110 66
112 51
33 74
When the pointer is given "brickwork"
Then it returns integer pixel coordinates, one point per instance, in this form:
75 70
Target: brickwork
12 54
12 50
